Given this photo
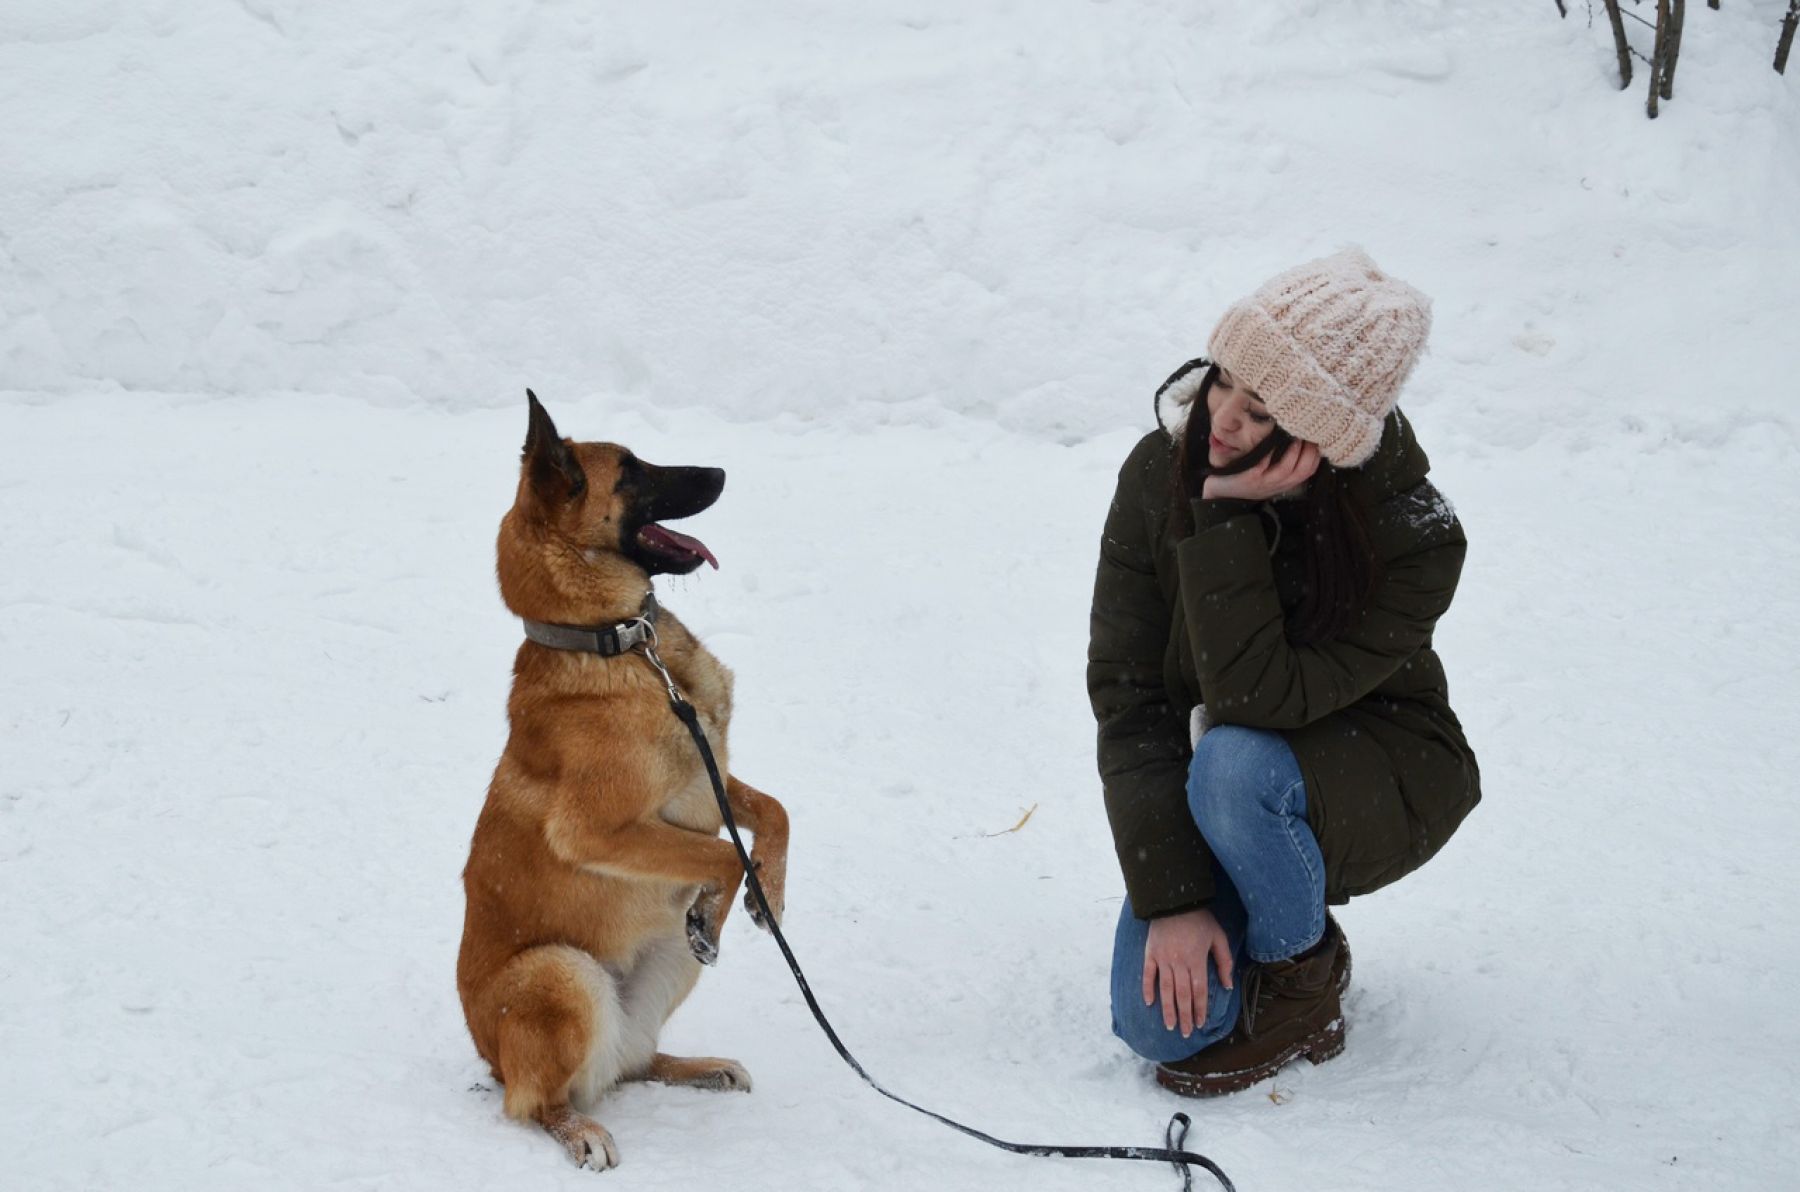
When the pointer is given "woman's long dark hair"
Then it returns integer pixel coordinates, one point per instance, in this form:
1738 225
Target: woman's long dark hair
1341 567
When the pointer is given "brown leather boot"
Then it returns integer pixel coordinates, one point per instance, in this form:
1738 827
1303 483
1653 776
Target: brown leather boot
1341 966
1289 1009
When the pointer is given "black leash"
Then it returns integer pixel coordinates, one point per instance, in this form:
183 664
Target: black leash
1173 1137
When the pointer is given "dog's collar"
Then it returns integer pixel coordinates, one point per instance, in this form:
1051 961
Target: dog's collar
605 640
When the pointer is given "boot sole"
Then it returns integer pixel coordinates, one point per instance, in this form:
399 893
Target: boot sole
1328 1044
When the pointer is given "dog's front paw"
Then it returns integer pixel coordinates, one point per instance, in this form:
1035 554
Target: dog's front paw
756 915
772 890
702 934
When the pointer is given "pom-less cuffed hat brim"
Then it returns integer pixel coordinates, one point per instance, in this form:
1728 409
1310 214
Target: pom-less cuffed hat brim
1280 370
1327 346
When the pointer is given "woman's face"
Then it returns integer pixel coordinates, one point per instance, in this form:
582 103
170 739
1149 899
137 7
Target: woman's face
1239 419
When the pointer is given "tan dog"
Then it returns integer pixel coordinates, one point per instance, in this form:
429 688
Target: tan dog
597 882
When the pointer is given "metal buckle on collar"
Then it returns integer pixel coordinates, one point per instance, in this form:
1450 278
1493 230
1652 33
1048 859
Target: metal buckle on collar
629 635
608 641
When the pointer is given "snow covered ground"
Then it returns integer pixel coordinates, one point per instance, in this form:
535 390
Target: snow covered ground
275 274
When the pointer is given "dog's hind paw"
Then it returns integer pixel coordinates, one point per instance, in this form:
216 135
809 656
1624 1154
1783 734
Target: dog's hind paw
701 1072
728 1077
597 1154
589 1144
701 940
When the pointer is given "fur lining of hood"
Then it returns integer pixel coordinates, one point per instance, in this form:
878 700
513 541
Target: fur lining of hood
1175 396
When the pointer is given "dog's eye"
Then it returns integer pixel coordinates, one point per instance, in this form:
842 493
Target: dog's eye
629 472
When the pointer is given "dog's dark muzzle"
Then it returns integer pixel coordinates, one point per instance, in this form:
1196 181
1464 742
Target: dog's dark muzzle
668 494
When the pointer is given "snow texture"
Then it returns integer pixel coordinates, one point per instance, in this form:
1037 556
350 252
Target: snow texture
277 272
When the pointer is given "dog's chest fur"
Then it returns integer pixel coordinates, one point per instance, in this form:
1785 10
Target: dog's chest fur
707 684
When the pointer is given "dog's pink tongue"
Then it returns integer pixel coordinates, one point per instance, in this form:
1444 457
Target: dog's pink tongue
682 541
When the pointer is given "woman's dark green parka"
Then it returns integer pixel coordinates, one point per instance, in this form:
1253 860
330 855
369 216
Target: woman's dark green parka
1182 618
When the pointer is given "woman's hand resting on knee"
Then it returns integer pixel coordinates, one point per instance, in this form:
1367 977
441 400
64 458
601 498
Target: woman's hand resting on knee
1175 964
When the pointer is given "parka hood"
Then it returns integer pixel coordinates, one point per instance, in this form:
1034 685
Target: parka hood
1398 464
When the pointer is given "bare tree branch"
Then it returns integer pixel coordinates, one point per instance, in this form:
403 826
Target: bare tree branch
1659 56
1672 50
1623 46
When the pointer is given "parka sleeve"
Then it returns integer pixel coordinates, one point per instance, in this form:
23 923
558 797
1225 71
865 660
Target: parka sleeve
1143 736
1250 674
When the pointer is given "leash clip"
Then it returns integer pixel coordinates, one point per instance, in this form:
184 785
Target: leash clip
648 643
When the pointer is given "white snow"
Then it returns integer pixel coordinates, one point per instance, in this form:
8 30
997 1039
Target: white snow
276 274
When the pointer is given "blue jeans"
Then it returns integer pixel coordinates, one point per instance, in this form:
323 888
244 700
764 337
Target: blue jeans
1248 799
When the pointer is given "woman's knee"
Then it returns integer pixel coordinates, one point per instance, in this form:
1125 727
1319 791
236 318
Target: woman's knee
1140 1026
1236 777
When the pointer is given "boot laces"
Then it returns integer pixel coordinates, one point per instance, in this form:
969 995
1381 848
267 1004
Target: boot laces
1282 978
1253 992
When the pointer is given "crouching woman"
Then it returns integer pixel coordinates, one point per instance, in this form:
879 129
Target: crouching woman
1275 730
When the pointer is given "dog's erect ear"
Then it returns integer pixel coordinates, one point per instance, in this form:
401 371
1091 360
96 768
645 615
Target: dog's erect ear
556 474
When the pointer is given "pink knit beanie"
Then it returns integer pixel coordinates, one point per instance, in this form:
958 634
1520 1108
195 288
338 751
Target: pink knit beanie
1327 346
